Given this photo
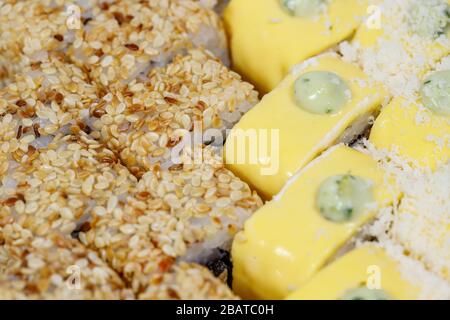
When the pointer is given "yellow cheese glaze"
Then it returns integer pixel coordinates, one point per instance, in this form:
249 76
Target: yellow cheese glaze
266 41
414 132
287 241
366 265
302 135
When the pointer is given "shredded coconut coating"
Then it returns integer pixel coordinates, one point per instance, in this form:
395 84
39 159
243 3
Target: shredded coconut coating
414 230
144 121
402 54
75 188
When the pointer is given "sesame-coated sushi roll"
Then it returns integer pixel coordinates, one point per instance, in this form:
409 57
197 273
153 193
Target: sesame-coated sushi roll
207 201
145 121
46 99
322 102
187 281
32 28
63 186
125 39
184 213
75 187
268 37
53 267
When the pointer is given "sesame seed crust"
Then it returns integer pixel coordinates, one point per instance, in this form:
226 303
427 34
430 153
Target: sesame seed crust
114 40
64 186
58 178
183 213
50 98
75 187
30 29
144 121
86 113
53 267
187 282
127 38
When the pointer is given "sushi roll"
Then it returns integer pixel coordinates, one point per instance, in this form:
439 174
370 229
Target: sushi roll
149 123
53 267
47 99
418 129
184 213
353 277
400 41
61 187
187 281
116 41
66 171
218 5
321 211
322 102
123 40
77 189
269 37
33 28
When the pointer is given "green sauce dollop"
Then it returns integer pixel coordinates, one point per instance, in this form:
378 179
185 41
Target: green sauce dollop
341 198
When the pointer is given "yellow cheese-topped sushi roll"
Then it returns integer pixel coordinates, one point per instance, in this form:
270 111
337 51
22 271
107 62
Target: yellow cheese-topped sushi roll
366 273
420 130
270 36
289 239
400 41
309 111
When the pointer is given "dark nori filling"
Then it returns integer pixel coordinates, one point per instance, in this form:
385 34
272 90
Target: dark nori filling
364 135
221 266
